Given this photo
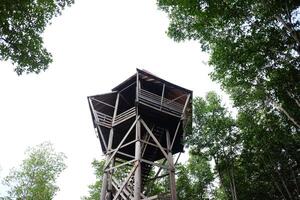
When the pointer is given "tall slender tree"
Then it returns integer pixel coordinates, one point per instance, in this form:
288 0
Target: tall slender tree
35 178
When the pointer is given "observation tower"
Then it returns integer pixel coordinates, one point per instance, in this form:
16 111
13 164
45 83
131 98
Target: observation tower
141 126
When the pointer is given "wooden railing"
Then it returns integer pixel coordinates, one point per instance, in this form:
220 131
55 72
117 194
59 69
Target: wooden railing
106 120
157 102
103 119
124 116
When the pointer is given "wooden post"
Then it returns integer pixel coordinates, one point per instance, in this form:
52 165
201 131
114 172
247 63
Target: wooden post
138 172
137 88
109 180
105 178
104 186
171 168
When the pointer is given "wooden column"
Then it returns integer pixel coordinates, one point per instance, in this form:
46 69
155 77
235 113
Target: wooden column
106 173
106 191
138 171
171 168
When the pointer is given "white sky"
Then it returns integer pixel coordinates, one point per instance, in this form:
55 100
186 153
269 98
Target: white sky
96 44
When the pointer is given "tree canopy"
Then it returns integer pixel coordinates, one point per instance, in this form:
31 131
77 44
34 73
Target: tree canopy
254 49
21 24
35 178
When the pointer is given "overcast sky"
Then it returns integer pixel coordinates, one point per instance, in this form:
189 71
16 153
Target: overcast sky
95 44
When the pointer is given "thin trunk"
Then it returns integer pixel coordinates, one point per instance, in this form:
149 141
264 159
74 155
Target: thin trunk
290 30
284 184
281 179
278 188
233 183
220 175
273 178
288 115
293 97
296 184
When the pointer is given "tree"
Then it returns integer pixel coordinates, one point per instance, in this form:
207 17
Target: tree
21 24
35 178
254 49
194 178
254 46
216 136
94 189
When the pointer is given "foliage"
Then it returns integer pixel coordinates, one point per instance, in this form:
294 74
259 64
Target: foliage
254 49
94 189
216 137
194 178
254 46
21 24
35 178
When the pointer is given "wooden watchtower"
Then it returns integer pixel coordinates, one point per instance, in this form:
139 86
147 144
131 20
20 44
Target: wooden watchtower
140 125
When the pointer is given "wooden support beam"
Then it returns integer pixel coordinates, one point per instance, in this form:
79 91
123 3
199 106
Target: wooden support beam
138 172
125 154
172 100
137 88
102 137
154 139
109 180
158 177
175 134
185 105
121 143
144 146
177 159
116 188
154 145
155 164
125 88
171 168
116 108
125 182
106 177
120 165
102 102
124 145
162 96
125 190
